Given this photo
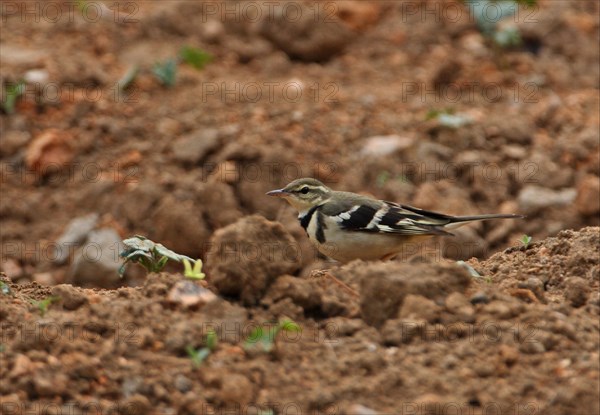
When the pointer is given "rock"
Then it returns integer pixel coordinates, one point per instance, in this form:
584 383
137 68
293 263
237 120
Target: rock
383 145
532 198
136 404
76 233
71 297
183 384
479 298
188 294
50 152
458 304
576 291
384 286
357 15
245 257
536 286
418 307
358 409
36 76
302 292
236 389
314 35
588 195
194 147
96 263
22 365
13 141
50 384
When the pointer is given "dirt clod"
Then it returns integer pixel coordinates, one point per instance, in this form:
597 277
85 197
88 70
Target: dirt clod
246 257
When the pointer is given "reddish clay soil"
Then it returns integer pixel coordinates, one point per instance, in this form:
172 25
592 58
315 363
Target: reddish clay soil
347 93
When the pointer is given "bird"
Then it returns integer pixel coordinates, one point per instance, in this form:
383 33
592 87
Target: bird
345 226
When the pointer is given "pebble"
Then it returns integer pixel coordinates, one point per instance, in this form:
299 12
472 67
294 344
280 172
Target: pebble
358 409
193 147
576 291
479 298
76 233
533 197
96 263
383 145
189 294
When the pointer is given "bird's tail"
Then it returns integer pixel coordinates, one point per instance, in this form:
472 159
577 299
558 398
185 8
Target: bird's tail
458 221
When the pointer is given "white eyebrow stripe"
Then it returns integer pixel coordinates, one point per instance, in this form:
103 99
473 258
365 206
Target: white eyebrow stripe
377 217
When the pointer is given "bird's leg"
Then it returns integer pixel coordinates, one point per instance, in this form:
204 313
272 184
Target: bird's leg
327 274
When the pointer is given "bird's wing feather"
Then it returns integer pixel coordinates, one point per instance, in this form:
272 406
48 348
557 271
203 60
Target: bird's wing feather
388 217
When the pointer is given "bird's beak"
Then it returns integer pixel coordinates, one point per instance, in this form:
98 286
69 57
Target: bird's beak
278 193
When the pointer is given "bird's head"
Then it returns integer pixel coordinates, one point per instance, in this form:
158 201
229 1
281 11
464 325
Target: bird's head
303 194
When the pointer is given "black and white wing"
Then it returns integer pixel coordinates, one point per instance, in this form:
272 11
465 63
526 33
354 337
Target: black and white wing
388 217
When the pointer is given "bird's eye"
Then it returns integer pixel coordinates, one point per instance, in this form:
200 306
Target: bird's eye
304 190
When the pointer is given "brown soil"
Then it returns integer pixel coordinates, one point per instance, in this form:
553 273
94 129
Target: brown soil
188 166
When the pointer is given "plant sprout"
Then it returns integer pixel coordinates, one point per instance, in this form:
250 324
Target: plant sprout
148 254
264 337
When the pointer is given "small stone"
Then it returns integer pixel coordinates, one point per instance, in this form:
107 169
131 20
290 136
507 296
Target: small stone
458 304
498 309
76 233
183 384
418 307
189 294
588 195
383 145
236 389
50 152
358 409
536 286
194 147
576 291
71 297
50 384
479 298
135 405
533 197
96 263
508 354
22 365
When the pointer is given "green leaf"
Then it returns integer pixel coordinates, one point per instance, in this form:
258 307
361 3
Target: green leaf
4 288
290 326
195 273
211 340
11 95
195 57
127 79
166 72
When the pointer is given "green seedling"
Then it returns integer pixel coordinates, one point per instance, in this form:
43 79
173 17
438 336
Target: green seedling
199 355
195 57
166 72
264 338
525 241
44 304
128 79
195 272
148 254
4 288
11 95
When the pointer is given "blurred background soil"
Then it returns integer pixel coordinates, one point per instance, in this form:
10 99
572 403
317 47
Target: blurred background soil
406 101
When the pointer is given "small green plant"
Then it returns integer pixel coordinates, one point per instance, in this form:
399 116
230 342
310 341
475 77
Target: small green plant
44 304
489 13
195 57
195 272
166 72
4 288
263 338
148 254
199 355
11 95
127 79
525 241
